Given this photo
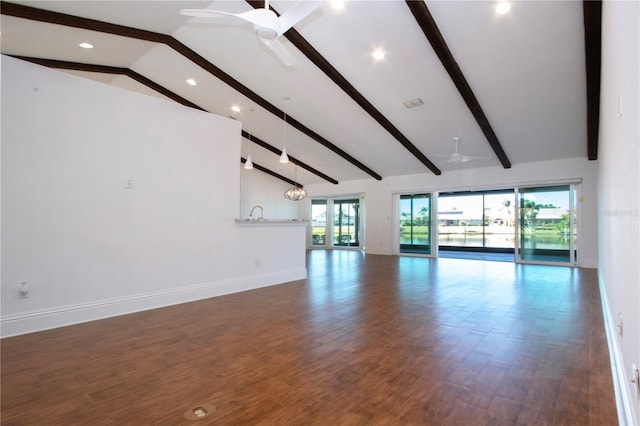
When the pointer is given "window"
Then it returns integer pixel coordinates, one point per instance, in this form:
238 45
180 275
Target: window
319 222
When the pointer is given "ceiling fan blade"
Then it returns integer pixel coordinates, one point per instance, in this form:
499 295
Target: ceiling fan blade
295 14
258 17
205 13
281 52
466 158
261 18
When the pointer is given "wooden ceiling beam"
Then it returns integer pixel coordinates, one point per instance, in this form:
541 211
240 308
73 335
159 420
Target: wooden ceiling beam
592 11
41 15
432 32
272 173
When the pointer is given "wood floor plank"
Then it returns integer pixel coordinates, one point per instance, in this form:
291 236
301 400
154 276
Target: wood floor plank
573 401
487 382
539 406
365 340
515 385
504 411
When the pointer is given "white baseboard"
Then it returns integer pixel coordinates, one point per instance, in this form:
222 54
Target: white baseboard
29 322
623 396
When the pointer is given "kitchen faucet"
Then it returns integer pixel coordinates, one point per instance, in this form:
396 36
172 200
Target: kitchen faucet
261 211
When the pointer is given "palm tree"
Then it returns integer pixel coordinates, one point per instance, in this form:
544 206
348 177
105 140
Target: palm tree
507 205
528 212
424 211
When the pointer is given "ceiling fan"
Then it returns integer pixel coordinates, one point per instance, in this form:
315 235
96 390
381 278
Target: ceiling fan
457 157
268 26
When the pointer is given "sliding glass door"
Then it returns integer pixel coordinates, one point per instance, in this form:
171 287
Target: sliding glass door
536 224
346 222
460 220
477 221
335 222
547 229
415 223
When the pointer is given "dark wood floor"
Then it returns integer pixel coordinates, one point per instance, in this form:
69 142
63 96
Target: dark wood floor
366 340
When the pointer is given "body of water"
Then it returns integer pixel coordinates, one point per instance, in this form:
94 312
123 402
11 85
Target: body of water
547 242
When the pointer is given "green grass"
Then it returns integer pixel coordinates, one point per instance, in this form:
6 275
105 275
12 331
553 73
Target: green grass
406 230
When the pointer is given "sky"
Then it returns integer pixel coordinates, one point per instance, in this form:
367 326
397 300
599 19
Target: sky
472 204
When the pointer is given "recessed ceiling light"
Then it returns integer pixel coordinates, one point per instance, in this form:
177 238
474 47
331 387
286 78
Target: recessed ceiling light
337 4
192 82
378 54
86 45
235 108
503 7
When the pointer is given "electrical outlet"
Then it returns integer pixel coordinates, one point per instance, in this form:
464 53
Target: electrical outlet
635 379
257 263
128 183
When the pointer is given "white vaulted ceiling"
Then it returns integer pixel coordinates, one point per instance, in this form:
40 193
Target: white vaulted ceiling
526 69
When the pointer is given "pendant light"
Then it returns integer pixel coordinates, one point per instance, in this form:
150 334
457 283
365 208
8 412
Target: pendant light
295 193
284 158
249 164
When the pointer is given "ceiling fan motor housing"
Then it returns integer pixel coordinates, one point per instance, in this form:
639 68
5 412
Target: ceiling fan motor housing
266 33
456 157
266 23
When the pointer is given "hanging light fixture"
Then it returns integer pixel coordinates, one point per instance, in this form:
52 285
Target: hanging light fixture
284 158
249 164
295 193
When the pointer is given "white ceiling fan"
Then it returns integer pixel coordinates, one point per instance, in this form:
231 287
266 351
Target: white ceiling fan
457 157
268 26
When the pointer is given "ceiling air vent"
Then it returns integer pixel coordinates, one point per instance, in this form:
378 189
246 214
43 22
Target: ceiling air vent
413 103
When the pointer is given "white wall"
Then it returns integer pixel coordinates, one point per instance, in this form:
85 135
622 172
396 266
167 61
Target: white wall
258 188
378 196
619 186
91 248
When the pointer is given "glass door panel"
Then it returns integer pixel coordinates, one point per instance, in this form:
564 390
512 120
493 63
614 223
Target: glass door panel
499 219
415 223
346 223
319 222
546 224
460 220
